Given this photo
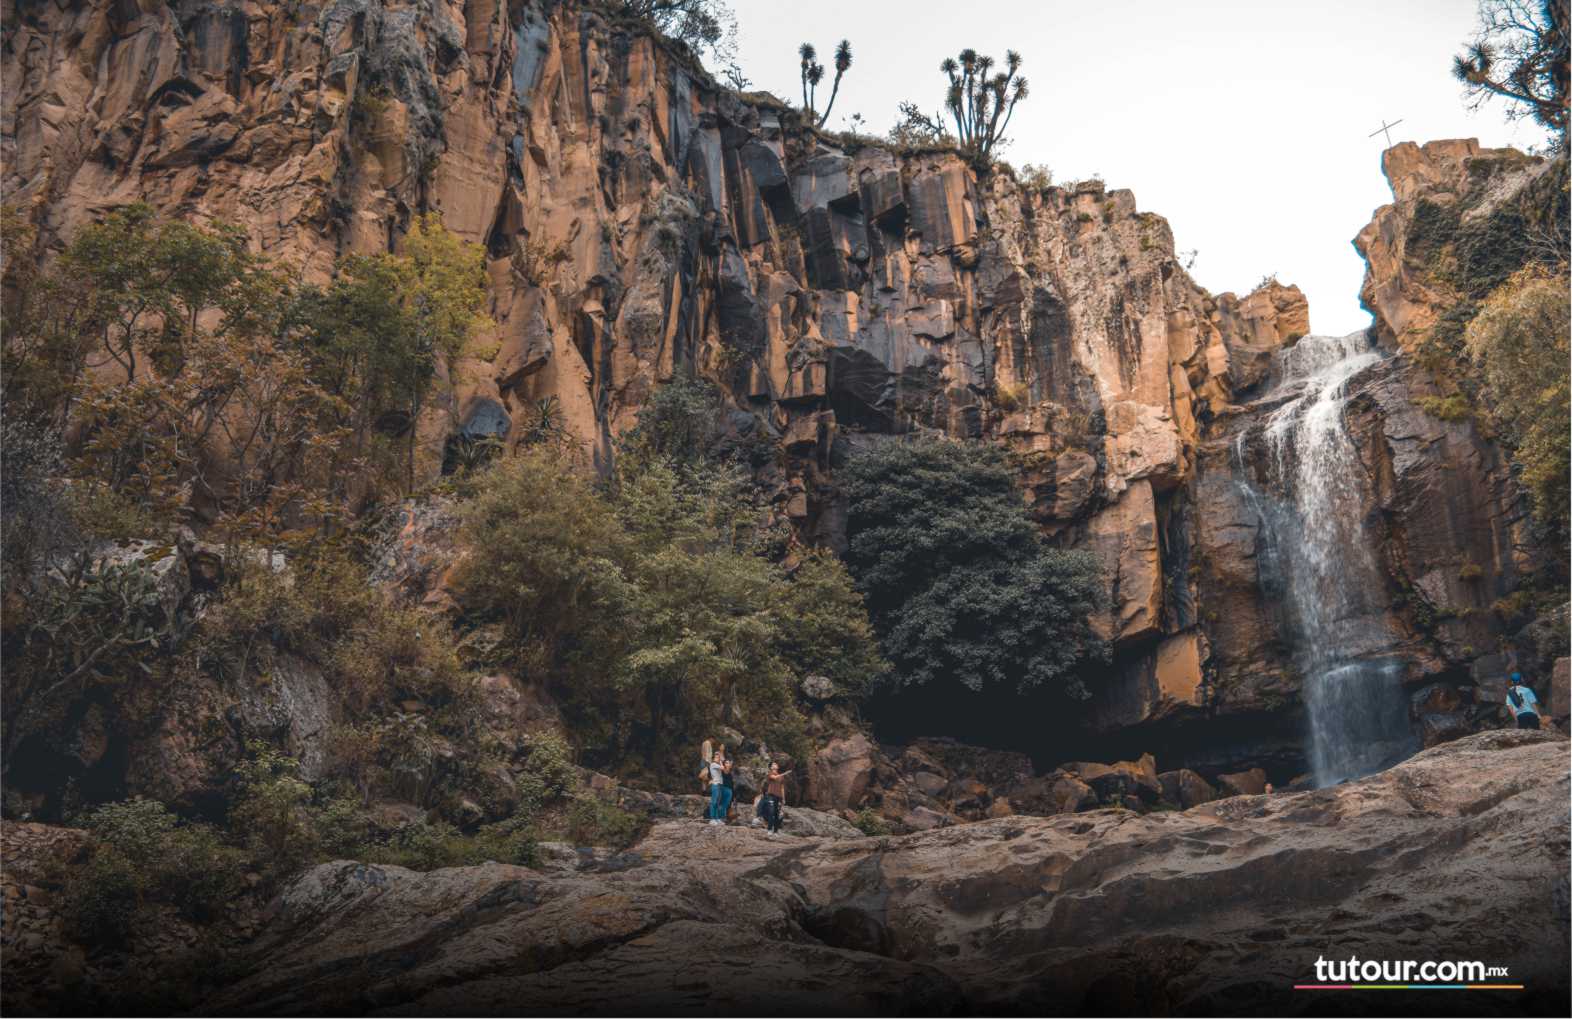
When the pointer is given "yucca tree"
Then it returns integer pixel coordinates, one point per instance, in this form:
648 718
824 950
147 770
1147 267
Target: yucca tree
980 100
813 73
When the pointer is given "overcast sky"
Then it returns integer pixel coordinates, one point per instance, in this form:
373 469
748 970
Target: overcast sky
1244 122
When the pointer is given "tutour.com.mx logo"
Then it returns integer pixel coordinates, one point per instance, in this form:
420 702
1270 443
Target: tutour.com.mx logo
1356 974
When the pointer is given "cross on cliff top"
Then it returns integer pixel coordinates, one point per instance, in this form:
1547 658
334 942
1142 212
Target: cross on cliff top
1386 129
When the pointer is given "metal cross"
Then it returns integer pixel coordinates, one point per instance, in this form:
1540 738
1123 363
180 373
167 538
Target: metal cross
1386 129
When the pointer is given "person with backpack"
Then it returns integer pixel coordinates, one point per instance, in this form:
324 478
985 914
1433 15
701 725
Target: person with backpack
774 797
1522 702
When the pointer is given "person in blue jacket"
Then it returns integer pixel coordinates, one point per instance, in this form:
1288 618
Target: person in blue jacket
1522 702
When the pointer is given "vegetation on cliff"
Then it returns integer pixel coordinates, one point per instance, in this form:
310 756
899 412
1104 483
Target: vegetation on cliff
959 584
656 601
1500 266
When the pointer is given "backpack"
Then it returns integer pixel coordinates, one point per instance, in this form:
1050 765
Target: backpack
1517 704
705 754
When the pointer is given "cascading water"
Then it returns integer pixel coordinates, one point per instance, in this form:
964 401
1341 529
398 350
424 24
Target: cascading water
1315 550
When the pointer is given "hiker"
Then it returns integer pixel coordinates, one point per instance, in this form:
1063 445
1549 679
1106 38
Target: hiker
729 792
1522 702
774 797
719 791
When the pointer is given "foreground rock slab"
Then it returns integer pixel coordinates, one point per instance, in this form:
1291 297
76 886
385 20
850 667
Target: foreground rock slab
1460 853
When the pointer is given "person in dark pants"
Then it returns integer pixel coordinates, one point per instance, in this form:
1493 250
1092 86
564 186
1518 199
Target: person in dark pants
728 791
1522 702
774 797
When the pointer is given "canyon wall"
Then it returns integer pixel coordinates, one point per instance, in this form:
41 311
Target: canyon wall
641 221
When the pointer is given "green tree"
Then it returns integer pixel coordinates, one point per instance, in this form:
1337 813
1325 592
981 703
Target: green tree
1521 53
548 562
958 583
822 625
389 319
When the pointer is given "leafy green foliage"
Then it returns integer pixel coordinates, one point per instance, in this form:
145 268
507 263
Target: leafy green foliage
271 810
142 854
594 822
651 602
701 24
91 622
958 583
822 626
224 386
871 823
1519 342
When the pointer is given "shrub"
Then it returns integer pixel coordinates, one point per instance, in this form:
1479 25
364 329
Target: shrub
1454 408
100 900
90 623
822 625
549 570
871 823
958 583
271 811
1035 178
594 822
142 853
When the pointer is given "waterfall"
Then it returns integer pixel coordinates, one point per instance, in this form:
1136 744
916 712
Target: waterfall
1316 556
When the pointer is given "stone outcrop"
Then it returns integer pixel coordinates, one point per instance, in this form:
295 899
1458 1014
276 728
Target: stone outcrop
1222 907
1431 184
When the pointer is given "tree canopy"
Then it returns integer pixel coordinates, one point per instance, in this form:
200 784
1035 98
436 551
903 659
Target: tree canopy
959 584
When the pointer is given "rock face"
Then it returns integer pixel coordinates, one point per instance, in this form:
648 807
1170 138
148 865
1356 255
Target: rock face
1459 853
640 220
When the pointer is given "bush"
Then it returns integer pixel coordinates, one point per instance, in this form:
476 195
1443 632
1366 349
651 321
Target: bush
547 564
594 822
822 626
958 583
649 603
90 623
100 900
142 853
272 812
871 823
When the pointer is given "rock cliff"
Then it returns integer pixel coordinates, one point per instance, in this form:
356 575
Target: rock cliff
641 221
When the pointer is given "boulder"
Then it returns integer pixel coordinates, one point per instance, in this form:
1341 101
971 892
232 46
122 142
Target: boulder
1436 727
1242 783
1559 700
1184 788
924 819
818 688
839 774
1069 794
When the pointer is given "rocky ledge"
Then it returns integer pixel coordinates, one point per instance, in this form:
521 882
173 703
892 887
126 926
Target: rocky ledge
1460 853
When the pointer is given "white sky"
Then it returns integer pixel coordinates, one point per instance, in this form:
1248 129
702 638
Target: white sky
1244 122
